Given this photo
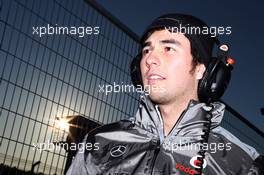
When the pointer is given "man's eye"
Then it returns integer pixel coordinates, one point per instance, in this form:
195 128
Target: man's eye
168 49
145 51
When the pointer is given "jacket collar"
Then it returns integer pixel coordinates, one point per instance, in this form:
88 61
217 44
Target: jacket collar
190 123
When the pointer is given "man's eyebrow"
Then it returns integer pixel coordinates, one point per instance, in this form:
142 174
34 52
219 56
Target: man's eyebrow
170 41
166 41
146 44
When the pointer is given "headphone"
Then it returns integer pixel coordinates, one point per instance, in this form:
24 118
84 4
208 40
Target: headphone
214 81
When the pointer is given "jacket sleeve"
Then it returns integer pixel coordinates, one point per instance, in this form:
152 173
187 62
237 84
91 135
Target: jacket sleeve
78 165
82 163
257 167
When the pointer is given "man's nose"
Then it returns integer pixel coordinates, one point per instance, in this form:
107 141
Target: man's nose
153 59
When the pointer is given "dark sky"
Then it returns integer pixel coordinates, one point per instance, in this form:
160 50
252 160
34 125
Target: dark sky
246 90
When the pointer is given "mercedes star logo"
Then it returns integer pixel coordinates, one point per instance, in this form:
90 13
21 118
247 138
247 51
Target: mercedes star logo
118 151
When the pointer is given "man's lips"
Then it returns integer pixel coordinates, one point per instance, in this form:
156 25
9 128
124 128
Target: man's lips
155 76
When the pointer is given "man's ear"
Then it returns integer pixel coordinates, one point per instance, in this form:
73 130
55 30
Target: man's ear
199 71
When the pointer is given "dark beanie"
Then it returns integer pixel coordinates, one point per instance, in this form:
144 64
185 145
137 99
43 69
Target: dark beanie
202 41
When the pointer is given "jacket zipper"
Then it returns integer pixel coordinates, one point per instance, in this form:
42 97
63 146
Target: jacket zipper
160 141
157 149
154 159
174 127
177 122
160 130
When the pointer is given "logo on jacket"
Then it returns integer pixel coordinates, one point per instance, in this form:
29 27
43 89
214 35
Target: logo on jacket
184 169
118 151
195 162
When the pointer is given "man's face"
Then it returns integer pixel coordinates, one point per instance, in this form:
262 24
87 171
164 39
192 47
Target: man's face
166 66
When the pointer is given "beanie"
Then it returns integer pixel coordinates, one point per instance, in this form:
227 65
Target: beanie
192 27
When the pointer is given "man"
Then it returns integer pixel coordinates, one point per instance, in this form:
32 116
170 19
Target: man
176 129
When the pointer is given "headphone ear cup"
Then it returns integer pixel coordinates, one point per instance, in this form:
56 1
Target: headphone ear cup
135 72
203 83
220 81
214 82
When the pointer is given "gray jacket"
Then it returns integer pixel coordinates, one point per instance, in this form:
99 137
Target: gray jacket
138 146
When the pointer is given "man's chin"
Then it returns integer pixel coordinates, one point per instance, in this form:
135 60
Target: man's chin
157 98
